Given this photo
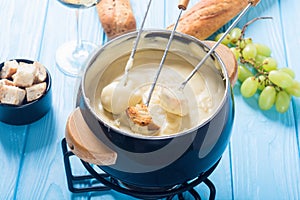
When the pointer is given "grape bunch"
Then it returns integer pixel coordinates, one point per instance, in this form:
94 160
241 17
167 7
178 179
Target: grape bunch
258 72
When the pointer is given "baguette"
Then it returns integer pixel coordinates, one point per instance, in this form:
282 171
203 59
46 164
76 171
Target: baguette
207 16
116 17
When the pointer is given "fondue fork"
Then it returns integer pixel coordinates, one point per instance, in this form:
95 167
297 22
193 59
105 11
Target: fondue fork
139 116
244 11
180 99
182 6
131 58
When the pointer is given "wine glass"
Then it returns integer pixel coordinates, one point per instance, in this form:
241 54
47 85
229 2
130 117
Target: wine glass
71 56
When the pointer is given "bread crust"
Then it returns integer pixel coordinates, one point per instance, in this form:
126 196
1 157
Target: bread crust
116 17
207 16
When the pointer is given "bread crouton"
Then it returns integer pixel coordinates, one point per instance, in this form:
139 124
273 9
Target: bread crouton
6 82
41 73
140 120
25 75
35 91
9 68
11 95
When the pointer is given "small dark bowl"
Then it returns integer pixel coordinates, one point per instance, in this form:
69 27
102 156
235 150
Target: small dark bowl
27 112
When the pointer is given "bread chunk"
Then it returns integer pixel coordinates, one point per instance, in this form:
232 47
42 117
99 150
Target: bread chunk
116 17
25 75
207 16
6 82
140 120
41 73
22 80
9 68
11 95
35 91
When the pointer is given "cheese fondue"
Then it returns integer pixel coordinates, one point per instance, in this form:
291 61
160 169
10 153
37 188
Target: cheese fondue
203 93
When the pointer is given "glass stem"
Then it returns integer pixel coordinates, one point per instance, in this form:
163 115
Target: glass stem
78 32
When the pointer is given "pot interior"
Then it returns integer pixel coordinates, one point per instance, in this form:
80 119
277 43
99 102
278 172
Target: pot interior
205 92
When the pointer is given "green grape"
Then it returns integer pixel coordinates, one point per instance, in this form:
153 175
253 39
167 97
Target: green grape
226 39
249 87
269 64
235 52
267 98
294 89
257 70
235 34
243 73
261 80
259 59
281 78
288 70
263 50
241 44
249 52
282 102
248 40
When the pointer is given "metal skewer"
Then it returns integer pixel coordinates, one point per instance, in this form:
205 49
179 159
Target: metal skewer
182 6
131 58
250 3
244 11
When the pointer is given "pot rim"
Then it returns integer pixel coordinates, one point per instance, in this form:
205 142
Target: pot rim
171 136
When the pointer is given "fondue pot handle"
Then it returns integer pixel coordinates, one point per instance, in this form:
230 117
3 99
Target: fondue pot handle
84 144
228 59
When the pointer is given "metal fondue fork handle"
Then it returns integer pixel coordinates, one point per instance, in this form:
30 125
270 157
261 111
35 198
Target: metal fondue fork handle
251 3
182 6
130 60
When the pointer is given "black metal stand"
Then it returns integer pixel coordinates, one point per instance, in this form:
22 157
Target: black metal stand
109 182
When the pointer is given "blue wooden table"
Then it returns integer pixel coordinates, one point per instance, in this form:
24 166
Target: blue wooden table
262 160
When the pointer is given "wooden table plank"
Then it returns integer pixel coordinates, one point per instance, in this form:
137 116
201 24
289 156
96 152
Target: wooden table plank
291 31
20 37
43 160
11 149
264 144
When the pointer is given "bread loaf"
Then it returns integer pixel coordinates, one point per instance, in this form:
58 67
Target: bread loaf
116 17
207 16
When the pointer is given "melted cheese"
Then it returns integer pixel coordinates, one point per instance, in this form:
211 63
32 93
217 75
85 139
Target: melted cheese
112 99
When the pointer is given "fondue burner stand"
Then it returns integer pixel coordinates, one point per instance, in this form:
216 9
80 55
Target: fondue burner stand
97 182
